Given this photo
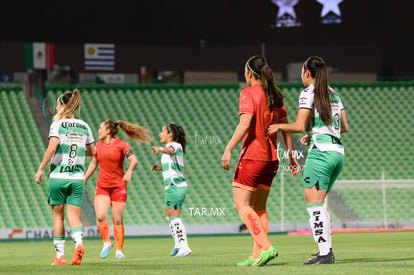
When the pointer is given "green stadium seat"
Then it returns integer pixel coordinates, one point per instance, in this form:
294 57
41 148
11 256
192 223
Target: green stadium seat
211 110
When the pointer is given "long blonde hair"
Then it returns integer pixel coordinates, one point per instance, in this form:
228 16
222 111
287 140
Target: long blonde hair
70 101
134 131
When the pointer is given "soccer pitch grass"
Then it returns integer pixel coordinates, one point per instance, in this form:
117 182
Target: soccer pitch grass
356 253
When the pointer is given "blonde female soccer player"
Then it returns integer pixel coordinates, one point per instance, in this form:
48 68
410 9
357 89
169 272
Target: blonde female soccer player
70 139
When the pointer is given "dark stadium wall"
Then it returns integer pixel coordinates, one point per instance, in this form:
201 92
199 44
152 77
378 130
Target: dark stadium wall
211 35
129 58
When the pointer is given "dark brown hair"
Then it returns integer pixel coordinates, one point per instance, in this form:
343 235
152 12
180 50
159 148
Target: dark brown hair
261 70
178 134
319 71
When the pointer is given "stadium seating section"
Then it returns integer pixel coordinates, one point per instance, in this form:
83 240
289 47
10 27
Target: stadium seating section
379 142
23 202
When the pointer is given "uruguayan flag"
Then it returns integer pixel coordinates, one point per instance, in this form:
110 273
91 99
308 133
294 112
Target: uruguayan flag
100 57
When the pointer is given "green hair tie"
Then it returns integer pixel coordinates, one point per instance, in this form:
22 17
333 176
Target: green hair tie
61 99
256 74
169 130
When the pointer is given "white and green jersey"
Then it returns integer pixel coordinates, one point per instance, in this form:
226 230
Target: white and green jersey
325 137
69 159
173 166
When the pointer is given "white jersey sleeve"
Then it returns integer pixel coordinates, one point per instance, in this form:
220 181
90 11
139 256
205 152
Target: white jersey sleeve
341 105
54 129
173 166
306 99
89 138
175 146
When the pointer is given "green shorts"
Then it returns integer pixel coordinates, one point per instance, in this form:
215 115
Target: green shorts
322 169
65 191
175 196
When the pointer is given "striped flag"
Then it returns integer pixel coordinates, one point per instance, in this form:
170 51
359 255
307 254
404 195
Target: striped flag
39 55
100 57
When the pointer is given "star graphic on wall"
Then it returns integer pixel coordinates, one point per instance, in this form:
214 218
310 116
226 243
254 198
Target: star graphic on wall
285 6
330 5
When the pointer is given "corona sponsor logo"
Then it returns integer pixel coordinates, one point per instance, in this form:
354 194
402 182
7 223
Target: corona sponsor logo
67 124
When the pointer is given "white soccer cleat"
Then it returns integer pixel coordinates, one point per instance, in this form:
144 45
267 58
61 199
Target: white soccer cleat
183 251
119 255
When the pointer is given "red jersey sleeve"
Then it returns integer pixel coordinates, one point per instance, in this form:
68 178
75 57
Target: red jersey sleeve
245 103
125 148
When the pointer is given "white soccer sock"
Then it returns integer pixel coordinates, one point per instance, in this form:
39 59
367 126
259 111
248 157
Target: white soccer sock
59 247
173 232
318 222
328 224
179 232
77 238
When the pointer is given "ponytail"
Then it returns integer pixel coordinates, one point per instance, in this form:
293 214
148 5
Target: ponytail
178 134
70 101
274 96
319 71
134 131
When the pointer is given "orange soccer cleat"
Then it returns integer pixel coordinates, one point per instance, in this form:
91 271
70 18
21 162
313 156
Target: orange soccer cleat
59 261
77 256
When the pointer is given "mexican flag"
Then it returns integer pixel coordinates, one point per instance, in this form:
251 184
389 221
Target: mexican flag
39 55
